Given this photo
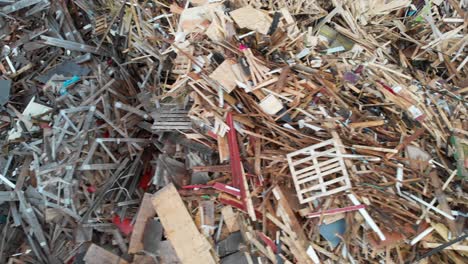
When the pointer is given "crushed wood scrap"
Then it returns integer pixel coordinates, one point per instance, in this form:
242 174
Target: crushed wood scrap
239 131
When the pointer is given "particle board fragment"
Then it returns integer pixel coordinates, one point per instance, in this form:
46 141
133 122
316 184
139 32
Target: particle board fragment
271 105
180 228
195 17
253 19
225 75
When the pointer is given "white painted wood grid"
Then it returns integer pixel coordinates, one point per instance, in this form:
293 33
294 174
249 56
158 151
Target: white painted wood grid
318 171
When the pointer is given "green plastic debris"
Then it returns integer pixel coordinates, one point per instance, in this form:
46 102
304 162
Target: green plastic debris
461 155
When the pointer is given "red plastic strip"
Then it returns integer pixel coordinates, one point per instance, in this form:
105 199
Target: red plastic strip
268 241
236 166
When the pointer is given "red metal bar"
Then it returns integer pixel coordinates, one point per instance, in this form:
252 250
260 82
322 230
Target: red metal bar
236 165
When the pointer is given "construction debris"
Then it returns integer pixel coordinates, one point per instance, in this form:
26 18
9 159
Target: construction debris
240 131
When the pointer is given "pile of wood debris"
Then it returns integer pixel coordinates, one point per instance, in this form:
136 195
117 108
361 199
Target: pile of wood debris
241 131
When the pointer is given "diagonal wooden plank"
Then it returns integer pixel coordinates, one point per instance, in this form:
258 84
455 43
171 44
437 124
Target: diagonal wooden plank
189 244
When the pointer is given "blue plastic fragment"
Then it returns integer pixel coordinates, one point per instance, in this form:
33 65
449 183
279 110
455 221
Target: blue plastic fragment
330 231
68 83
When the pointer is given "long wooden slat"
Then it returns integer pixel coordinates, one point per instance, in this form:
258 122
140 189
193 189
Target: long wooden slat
337 190
325 184
308 149
332 163
314 155
321 175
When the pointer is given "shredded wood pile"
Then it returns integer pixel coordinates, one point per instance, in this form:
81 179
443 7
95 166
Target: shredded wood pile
241 131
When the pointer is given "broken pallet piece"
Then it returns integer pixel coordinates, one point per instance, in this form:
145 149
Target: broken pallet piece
318 171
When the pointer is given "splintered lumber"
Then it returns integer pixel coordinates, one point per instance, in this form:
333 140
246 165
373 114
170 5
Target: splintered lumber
180 228
230 218
367 124
299 242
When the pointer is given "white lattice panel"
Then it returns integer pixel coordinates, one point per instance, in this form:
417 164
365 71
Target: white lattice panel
318 171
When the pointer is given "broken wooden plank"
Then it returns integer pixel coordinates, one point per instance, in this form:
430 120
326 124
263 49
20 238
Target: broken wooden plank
180 228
